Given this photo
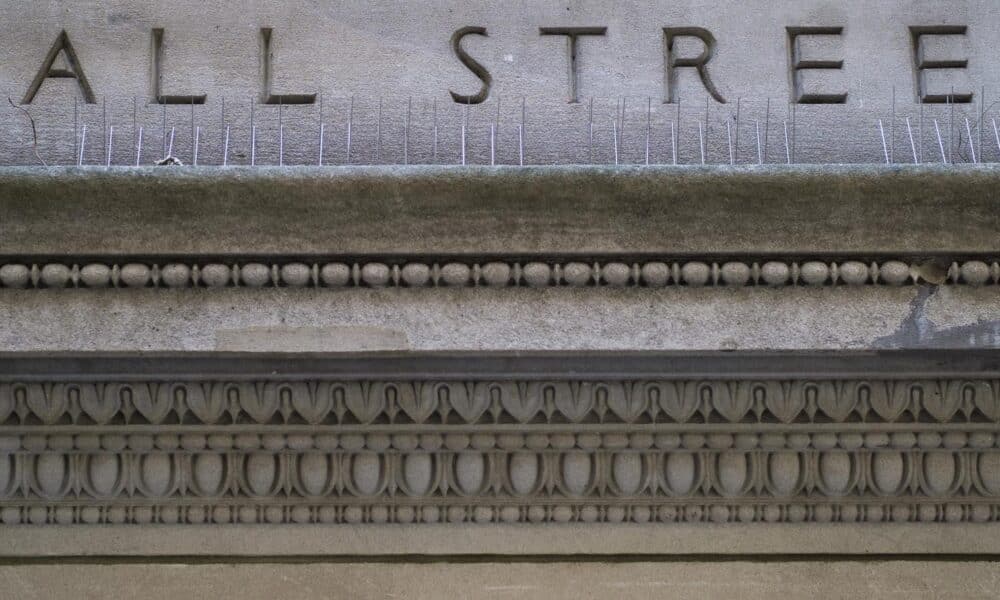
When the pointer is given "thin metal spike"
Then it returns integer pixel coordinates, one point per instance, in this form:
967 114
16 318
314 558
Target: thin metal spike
760 154
76 124
673 142
110 142
788 150
138 149
996 134
913 146
170 148
972 146
225 149
493 152
322 134
944 157
677 136
520 145
767 127
253 132
197 139
729 138
885 148
319 152
281 133
83 145
135 118
222 129
736 152
194 150
435 150
701 142
104 122
465 124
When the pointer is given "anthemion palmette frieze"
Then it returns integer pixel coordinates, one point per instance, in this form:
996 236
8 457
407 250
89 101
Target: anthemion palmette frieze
583 438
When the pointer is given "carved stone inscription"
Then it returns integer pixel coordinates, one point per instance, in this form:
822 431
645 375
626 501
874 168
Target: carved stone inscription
930 46
685 81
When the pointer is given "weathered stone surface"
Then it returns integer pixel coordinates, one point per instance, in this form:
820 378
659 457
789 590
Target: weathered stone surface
582 211
869 541
334 437
679 318
916 580
311 339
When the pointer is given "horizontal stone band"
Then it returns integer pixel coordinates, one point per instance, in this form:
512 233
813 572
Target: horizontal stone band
495 273
899 437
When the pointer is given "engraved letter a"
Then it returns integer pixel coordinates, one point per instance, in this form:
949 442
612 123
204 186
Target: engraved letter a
70 69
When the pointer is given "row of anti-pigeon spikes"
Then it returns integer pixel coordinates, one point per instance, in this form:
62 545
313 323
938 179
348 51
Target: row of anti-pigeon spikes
915 134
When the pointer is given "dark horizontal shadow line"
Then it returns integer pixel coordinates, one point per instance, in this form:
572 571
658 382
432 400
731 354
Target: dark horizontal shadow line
196 560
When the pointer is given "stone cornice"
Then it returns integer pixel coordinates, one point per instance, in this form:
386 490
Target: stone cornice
700 212
500 438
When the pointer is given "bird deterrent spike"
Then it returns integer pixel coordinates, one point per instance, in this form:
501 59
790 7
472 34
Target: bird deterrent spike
937 129
972 146
111 140
701 142
913 146
885 148
760 154
83 144
138 148
197 139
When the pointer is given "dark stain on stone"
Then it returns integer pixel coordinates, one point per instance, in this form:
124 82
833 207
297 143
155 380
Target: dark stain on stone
918 331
